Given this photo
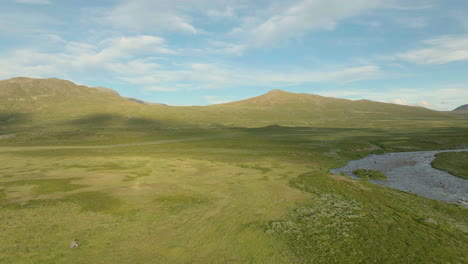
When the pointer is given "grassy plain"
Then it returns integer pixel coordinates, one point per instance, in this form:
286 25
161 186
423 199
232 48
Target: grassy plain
221 195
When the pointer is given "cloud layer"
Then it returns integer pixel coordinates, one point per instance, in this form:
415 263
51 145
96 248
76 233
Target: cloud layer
237 48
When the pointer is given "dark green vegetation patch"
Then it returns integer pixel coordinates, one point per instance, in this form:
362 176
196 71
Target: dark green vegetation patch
456 163
178 203
47 186
370 174
95 201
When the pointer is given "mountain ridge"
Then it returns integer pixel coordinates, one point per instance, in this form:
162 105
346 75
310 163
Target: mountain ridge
59 101
275 96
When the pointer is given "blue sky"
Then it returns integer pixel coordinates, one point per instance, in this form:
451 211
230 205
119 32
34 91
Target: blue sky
198 52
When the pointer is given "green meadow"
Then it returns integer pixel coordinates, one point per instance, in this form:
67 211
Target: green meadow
455 163
149 190
261 195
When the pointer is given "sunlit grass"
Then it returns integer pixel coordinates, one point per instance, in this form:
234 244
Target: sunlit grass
260 195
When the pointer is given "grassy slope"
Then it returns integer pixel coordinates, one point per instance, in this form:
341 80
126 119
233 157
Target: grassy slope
455 163
284 107
240 195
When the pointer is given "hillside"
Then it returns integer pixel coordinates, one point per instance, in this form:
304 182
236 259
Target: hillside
284 107
34 102
462 108
28 101
35 93
460 111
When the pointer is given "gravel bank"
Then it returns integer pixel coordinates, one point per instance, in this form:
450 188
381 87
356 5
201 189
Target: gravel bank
412 172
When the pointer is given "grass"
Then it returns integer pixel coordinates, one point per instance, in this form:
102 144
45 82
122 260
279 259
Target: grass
221 184
94 201
253 196
178 203
46 186
456 163
370 174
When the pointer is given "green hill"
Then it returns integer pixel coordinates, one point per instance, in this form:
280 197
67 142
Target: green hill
46 100
289 108
27 101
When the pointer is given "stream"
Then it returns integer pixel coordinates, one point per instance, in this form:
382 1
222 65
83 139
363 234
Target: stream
412 172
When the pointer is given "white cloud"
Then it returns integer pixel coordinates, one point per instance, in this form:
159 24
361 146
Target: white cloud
160 89
36 2
110 50
400 101
285 20
149 16
134 67
443 99
216 76
117 55
211 99
439 50
298 18
424 104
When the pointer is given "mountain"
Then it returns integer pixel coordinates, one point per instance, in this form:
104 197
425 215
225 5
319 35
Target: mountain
52 103
462 108
288 108
47 102
37 94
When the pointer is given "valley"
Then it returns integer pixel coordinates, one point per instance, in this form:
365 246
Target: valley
242 182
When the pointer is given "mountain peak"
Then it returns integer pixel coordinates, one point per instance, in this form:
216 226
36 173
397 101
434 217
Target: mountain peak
277 92
280 97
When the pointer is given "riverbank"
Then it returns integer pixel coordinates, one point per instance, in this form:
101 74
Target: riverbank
412 172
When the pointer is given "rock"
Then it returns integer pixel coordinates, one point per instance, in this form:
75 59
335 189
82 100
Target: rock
431 221
74 244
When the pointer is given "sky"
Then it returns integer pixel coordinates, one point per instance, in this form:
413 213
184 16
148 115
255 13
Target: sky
199 52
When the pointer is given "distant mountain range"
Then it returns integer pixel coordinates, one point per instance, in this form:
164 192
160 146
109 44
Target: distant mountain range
28 101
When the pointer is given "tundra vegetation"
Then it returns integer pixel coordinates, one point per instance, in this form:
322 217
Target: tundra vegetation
236 183
456 163
370 174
